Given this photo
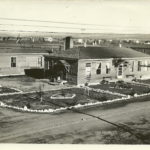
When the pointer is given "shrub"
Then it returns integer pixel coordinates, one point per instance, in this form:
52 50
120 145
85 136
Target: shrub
28 105
104 82
147 90
86 84
134 79
103 98
132 93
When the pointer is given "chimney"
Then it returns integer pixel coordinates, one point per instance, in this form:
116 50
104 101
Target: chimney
68 43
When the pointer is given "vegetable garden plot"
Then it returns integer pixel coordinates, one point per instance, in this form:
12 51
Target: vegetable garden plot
5 90
34 101
123 88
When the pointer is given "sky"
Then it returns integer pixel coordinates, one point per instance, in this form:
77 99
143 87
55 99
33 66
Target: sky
77 16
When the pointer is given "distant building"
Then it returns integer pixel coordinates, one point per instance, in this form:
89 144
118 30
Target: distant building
92 64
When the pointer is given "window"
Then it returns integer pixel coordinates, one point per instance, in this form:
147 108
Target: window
88 64
40 61
148 65
120 70
139 65
132 66
145 65
107 68
13 61
98 71
88 70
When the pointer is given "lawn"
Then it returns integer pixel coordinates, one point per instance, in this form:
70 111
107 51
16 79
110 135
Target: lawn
34 101
123 88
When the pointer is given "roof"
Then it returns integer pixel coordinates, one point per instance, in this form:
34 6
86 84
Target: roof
23 50
98 53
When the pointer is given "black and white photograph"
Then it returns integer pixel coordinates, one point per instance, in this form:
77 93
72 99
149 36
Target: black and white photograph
75 72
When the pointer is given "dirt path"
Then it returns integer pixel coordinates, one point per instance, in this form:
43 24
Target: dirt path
27 127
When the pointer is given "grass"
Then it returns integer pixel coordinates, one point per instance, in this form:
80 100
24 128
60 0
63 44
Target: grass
33 100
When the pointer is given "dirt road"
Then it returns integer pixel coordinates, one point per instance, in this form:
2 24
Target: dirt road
18 127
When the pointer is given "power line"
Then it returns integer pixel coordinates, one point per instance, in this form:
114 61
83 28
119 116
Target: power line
63 22
62 27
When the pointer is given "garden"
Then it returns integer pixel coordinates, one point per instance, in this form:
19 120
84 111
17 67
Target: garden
5 90
56 99
122 87
147 81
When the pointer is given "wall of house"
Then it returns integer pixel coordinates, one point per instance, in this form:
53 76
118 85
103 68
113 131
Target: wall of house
95 78
132 68
23 61
90 75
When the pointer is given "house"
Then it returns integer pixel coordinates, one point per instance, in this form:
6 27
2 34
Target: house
14 61
92 64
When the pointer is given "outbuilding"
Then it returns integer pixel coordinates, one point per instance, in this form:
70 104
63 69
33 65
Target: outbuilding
14 61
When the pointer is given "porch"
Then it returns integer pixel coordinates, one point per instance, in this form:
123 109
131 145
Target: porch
60 69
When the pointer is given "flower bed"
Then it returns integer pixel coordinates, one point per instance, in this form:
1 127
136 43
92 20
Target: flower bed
5 90
124 88
33 101
123 100
143 81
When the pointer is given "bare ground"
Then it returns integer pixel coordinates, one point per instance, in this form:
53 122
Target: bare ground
28 84
17 127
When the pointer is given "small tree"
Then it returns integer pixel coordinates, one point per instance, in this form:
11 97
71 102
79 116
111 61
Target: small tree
40 92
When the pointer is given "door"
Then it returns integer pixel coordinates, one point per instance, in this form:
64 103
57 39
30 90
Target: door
88 71
120 71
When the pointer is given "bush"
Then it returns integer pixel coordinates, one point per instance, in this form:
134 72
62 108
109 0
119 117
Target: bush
86 84
132 93
104 82
122 84
28 106
102 98
135 80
